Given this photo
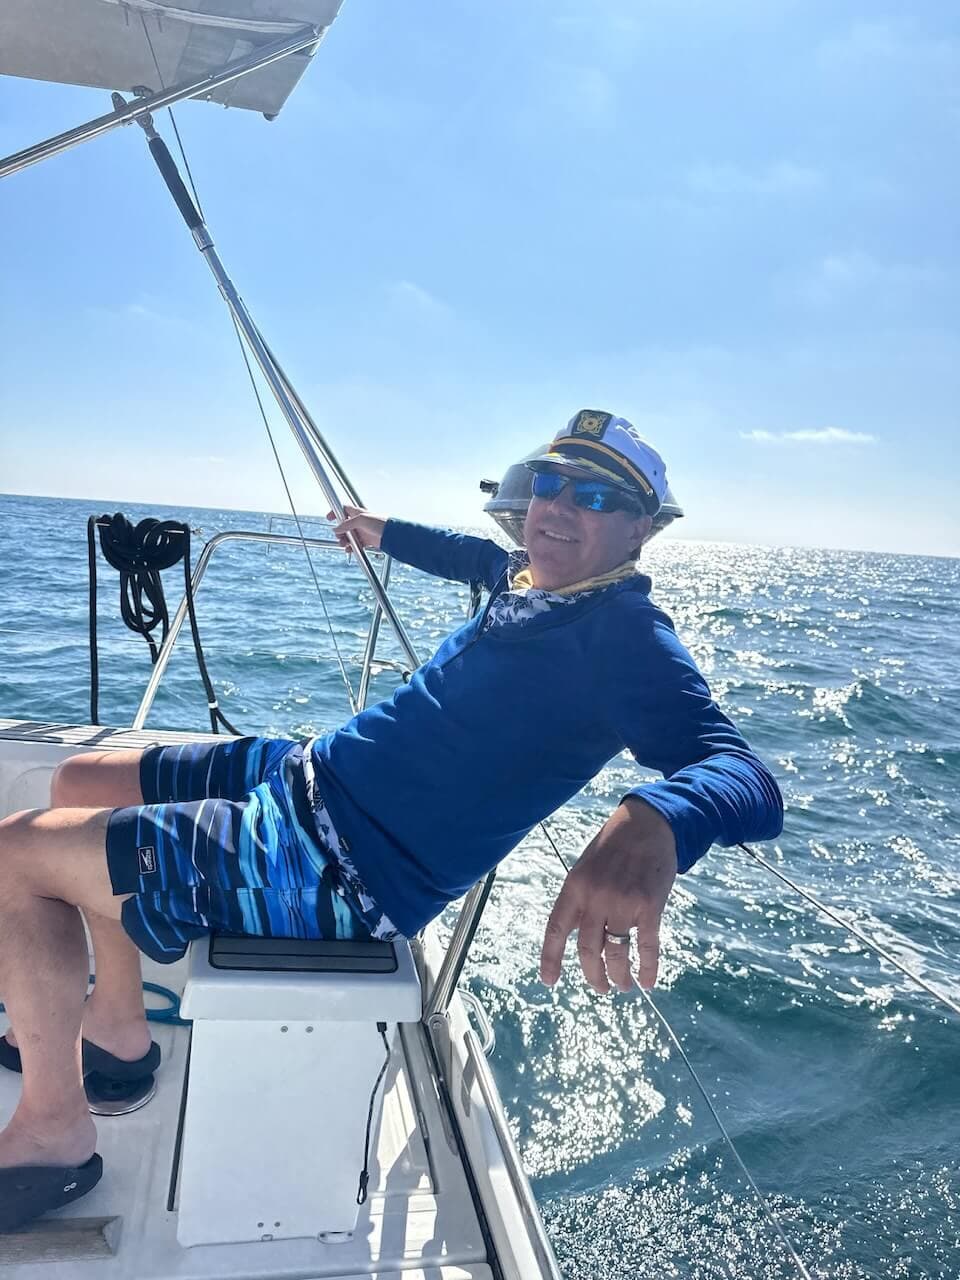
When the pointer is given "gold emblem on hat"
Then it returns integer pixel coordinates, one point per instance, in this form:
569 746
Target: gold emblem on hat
590 423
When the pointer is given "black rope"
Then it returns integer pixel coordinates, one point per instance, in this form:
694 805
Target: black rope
216 715
365 1171
139 553
92 611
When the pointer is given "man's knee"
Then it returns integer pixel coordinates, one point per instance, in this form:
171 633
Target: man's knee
13 844
97 780
57 853
67 783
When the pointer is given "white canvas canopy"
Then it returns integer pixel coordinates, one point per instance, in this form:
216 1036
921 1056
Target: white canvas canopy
113 44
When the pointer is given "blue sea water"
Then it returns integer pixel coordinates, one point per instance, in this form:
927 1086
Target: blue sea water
836 1078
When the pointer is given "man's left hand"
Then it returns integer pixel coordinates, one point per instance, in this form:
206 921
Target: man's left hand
621 882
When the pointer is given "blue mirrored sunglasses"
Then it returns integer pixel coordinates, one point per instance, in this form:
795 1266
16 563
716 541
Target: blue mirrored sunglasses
591 495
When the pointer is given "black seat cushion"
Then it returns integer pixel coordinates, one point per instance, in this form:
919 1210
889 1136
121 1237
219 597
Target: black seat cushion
300 955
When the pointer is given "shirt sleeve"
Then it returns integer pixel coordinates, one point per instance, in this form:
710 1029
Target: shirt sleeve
445 554
715 790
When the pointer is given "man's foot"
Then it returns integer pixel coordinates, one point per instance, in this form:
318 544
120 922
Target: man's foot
95 1059
28 1191
69 1142
126 1041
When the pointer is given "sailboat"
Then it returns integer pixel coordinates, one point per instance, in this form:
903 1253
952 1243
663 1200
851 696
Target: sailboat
421 1177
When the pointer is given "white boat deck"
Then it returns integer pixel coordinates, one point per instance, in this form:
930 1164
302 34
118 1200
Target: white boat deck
419 1222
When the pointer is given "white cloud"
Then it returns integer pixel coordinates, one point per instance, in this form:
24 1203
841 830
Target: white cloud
842 276
821 435
150 313
591 96
412 295
568 95
782 178
137 310
883 43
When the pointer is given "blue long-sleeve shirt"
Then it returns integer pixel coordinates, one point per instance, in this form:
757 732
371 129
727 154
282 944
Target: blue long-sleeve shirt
431 788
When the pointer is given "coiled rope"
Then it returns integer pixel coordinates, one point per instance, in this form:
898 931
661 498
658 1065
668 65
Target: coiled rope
139 553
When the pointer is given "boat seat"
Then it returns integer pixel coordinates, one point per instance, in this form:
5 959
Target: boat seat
284 1055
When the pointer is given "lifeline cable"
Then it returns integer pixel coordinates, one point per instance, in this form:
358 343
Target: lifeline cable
853 929
767 1211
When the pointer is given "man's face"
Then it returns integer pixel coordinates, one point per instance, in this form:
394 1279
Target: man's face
568 544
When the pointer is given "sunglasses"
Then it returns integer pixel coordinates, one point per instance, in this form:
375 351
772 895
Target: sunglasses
590 495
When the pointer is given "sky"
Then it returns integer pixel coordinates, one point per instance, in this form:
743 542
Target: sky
734 222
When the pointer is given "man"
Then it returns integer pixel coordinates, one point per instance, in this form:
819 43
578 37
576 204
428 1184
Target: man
373 829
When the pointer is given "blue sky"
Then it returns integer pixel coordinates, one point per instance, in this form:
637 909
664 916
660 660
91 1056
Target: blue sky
734 222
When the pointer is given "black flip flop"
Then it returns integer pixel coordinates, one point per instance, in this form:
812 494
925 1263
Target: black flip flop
9 1055
105 1064
94 1059
29 1190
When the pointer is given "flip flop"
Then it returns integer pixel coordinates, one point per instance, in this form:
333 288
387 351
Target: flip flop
9 1055
29 1190
94 1059
105 1064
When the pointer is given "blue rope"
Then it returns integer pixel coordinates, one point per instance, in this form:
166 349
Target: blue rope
170 1015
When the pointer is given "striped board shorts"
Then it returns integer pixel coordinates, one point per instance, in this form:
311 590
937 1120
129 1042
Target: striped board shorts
233 837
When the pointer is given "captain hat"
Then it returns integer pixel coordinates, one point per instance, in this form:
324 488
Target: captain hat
600 445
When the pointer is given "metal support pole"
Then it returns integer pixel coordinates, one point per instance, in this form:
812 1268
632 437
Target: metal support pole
267 54
276 381
259 352
456 953
318 438
371 645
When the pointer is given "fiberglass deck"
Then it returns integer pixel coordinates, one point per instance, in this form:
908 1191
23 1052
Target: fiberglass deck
419 1222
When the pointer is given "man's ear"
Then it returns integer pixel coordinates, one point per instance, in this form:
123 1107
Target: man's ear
642 525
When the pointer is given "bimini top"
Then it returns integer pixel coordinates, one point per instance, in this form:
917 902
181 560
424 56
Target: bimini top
111 44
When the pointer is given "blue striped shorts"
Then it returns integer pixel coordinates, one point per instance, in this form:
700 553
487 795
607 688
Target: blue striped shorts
232 838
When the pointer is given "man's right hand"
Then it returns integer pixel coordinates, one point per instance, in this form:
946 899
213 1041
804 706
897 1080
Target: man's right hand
366 528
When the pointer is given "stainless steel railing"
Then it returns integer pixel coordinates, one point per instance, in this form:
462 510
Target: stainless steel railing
241 535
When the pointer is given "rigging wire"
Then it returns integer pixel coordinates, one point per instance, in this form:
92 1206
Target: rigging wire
351 697
853 929
173 119
767 1211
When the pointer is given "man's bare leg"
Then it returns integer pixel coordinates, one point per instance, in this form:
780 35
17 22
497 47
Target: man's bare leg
52 862
113 1016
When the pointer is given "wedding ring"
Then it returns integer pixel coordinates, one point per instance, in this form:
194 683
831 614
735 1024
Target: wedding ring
621 939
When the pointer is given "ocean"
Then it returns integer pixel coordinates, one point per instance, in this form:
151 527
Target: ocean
836 1078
